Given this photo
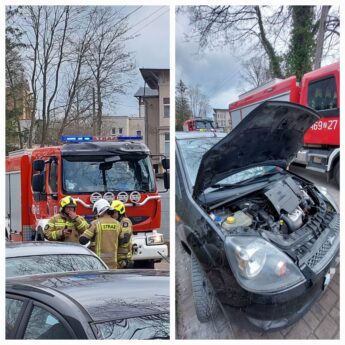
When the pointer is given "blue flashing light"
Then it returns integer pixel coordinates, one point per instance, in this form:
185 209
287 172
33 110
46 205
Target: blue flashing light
125 138
75 139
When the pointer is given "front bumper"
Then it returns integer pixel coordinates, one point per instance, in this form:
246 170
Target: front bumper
141 251
274 312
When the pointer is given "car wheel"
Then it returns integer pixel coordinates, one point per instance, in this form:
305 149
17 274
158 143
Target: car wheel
39 236
205 301
144 264
336 174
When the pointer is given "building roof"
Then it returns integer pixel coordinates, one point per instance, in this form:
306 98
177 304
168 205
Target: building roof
146 92
151 76
220 109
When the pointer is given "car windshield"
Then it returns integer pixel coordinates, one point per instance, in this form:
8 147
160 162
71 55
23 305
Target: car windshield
192 151
28 265
102 174
143 327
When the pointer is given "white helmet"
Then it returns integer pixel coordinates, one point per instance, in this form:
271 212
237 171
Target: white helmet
100 207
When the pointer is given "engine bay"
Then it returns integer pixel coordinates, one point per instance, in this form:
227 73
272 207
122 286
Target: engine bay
282 208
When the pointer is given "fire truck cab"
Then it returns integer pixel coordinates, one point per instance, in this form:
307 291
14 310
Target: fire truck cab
319 89
198 124
36 179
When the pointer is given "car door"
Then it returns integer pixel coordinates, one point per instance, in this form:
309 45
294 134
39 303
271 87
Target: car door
29 319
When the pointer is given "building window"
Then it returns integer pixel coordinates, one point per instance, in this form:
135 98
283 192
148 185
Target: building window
139 133
120 130
113 131
166 103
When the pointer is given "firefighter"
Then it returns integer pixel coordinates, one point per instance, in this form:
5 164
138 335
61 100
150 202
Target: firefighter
124 253
103 233
66 225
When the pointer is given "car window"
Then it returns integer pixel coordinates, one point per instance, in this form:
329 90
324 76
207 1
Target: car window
13 308
29 265
144 327
44 325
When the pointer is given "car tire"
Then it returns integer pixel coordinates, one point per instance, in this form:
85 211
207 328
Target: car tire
205 301
336 174
144 264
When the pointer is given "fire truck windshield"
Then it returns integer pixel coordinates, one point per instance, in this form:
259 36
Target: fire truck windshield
203 124
94 174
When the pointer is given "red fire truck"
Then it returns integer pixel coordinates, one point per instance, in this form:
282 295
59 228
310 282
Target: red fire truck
319 90
36 179
198 124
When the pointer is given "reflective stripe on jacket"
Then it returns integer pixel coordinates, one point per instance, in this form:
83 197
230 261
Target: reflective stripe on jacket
125 249
104 233
56 225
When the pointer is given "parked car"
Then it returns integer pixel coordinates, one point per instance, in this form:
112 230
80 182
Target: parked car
262 240
26 258
112 304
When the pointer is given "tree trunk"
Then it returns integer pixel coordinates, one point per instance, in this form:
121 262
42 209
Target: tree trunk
273 58
99 110
320 37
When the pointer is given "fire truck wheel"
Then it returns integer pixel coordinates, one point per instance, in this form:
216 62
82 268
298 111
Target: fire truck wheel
144 264
205 302
39 234
336 174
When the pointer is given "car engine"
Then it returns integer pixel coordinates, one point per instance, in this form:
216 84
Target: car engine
282 208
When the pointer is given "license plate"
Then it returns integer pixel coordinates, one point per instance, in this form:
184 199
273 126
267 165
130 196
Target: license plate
317 160
328 277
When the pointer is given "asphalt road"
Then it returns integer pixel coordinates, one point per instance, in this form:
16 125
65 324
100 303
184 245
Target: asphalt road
321 322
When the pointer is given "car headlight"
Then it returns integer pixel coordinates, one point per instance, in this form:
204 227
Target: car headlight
259 266
330 199
154 238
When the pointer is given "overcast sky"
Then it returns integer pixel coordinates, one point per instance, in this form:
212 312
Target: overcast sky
215 71
151 49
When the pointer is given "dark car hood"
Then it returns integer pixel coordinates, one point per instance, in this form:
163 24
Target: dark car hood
271 134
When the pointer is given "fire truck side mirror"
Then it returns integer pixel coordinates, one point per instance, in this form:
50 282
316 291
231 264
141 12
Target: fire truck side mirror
38 183
166 179
166 163
38 165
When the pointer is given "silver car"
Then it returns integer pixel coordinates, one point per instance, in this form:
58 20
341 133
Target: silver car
27 258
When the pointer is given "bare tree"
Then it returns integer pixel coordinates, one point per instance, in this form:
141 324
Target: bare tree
199 102
32 25
327 35
52 54
109 62
236 24
321 36
77 83
16 86
256 71
46 29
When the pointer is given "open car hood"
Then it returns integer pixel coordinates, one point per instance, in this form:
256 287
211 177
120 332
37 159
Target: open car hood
271 134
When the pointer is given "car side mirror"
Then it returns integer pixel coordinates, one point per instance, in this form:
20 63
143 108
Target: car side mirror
166 179
166 163
38 183
38 165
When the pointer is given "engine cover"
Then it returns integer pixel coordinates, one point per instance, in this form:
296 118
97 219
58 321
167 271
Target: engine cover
283 195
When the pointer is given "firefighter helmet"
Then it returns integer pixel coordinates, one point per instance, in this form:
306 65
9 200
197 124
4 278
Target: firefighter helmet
118 206
100 207
67 201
